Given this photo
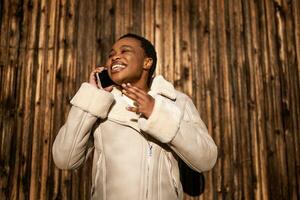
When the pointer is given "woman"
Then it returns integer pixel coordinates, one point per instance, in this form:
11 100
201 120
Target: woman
145 127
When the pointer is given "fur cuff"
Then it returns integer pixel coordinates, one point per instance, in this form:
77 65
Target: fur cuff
93 100
164 121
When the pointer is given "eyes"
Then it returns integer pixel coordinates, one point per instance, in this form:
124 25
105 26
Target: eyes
123 51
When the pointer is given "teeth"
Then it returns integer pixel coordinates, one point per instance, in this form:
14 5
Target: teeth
118 67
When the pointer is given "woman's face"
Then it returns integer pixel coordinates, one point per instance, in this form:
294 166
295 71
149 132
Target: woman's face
125 61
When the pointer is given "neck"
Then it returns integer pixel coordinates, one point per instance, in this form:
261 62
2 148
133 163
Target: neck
141 85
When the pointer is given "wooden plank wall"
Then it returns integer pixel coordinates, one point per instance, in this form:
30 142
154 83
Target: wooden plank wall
237 59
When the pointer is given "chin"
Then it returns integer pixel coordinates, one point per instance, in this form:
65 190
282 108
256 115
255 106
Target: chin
118 79
122 77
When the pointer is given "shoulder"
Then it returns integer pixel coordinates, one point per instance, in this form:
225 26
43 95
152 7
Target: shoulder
166 89
182 97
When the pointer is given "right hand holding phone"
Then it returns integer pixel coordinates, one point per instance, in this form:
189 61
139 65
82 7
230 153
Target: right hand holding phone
93 79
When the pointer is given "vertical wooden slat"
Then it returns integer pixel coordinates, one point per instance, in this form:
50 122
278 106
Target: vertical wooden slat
20 83
224 101
198 90
148 19
137 15
38 98
264 100
284 87
9 100
296 33
30 134
108 22
51 182
39 166
167 22
177 51
158 42
185 43
128 15
119 26
54 54
205 89
245 103
274 126
62 176
245 126
236 58
259 139
288 65
3 81
70 68
295 108
252 60
217 178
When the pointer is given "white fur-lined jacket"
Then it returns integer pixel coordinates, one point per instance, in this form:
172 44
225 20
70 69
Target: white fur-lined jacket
134 157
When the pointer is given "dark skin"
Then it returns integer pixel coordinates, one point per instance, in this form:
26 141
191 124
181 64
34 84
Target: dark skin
131 77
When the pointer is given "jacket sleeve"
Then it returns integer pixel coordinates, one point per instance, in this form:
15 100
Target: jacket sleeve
72 143
184 131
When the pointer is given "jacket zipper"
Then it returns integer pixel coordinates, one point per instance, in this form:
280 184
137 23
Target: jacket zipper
148 166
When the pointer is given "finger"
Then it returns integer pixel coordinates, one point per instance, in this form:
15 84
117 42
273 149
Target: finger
136 89
100 68
109 88
133 109
136 104
133 92
132 96
96 70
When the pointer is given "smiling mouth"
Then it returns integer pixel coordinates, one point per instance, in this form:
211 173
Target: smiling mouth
117 68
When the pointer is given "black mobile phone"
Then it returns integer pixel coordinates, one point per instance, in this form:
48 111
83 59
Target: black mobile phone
104 79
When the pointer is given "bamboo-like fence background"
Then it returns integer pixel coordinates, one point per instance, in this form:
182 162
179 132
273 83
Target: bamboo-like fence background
237 59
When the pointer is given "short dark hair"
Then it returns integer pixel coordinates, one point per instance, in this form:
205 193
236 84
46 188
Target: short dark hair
149 51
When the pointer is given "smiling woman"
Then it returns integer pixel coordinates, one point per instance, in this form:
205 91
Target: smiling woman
136 53
146 128
126 62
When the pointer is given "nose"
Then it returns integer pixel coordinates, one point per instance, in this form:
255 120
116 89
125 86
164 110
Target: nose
115 57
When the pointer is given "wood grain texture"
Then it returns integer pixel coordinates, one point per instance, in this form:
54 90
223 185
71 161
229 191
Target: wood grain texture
237 59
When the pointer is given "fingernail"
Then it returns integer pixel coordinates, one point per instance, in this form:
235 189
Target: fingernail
124 91
123 85
128 84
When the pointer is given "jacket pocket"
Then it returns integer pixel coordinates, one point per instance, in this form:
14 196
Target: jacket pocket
98 169
98 187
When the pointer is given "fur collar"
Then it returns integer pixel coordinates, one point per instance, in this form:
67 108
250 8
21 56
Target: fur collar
163 87
159 86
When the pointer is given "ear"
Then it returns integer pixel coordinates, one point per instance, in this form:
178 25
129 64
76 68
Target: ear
147 63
